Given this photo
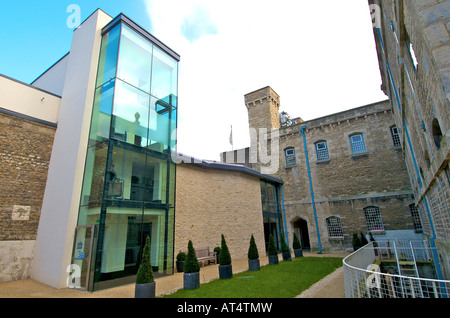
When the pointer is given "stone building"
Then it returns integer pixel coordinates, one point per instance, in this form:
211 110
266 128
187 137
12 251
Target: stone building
343 173
90 169
413 46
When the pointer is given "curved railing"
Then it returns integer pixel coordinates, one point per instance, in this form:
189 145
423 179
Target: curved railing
393 270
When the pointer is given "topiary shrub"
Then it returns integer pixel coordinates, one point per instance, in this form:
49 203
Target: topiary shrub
252 250
181 257
224 257
272 249
191 264
145 271
296 244
363 239
284 247
356 242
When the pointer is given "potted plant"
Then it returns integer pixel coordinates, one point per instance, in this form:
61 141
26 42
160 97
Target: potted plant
253 255
191 278
225 268
145 284
298 252
285 250
217 250
272 251
181 258
356 242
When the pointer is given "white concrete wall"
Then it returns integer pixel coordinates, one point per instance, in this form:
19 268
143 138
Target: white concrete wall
53 79
59 212
27 100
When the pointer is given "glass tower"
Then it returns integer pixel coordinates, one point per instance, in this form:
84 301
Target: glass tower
128 189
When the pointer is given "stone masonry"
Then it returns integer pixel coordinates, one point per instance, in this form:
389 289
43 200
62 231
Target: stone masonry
25 149
413 46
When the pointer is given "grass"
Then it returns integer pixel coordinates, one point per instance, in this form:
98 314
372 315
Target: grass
285 280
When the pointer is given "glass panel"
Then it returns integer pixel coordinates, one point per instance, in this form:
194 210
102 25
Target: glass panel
94 173
101 114
135 59
130 115
108 56
164 75
162 124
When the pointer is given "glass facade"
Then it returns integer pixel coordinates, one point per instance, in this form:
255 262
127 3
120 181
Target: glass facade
272 212
128 190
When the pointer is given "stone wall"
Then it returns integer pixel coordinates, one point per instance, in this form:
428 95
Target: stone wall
211 202
415 67
345 184
25 149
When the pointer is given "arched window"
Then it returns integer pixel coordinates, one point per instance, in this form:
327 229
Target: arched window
334 226
437 133
373 218
357 143
289 154
322 150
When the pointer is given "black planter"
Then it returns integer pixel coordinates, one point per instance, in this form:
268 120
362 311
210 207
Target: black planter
180 266
145 290
287 256
225 271
191 280
298 253
253 264
273 259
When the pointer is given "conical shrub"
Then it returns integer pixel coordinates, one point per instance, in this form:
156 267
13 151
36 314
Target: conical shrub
191 264
224 257
145 271
252 250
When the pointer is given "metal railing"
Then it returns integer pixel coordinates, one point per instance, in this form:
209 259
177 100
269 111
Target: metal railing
400 269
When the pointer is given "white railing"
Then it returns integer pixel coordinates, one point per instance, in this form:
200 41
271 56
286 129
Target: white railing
397 269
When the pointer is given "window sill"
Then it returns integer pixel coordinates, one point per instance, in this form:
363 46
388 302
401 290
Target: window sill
336 238
290 166
360 155
323 162
378 232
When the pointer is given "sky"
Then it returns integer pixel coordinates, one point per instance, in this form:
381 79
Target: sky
318 56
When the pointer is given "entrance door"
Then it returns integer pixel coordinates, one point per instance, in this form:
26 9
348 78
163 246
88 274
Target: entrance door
80 277
301 229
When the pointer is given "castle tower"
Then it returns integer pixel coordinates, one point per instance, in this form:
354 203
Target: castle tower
263 108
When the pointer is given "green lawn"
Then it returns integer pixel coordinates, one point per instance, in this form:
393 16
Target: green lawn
285 280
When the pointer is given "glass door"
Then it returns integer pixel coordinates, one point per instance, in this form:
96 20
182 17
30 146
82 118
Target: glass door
80 269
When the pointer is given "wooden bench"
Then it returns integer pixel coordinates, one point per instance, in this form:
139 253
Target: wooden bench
204 256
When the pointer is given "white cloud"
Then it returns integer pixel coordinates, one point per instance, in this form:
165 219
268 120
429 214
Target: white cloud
319 56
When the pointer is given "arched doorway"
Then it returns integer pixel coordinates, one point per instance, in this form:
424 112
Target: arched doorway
300 227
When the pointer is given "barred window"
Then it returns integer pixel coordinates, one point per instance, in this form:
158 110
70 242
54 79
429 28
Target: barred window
395 136
334 226
290 156
322 150
373 218
416 218
357 143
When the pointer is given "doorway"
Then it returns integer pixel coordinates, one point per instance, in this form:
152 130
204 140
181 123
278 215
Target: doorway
301 229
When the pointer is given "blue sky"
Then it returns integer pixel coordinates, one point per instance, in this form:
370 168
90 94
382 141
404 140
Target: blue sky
319 56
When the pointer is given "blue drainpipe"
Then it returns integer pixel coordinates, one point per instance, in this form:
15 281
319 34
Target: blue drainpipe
311 187
284 216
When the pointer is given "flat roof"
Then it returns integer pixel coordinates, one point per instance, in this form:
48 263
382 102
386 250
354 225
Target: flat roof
231 167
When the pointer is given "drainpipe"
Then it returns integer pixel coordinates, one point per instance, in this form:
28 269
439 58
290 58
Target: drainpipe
284 216
311 187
